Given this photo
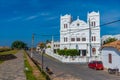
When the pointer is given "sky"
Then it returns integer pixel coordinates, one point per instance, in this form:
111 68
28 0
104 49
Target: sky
19 19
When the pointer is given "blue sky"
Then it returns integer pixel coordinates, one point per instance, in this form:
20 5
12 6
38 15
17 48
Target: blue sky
19 19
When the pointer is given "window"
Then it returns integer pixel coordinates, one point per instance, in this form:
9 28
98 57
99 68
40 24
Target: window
83 52
110 58
93 38
65 39
65 26
72 39
93 24
83 39
93 50
55 51
78 39
78 24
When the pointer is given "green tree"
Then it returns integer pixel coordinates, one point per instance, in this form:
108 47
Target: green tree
109 40
18 45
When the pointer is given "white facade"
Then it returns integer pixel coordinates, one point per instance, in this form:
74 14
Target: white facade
112 62
56 46
76 34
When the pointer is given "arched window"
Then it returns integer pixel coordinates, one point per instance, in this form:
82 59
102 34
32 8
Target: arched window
110 58
65 26
65 39
94 24
94 38
78 24
93 50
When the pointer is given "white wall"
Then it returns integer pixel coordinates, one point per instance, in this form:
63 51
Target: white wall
115 58
75 59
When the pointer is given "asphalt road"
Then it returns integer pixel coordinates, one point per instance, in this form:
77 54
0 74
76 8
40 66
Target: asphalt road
76 71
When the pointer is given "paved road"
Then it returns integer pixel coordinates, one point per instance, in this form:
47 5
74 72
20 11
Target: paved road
74 71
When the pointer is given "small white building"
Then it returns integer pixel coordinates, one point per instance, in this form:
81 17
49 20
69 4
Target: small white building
111 55
54 46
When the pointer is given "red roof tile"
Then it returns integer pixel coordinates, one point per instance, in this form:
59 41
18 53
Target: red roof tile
115 44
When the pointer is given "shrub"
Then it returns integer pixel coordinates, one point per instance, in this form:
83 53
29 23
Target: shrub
68 52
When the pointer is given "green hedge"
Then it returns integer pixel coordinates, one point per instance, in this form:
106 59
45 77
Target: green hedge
68 52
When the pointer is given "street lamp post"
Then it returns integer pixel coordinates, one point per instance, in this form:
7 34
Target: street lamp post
43 51
32 45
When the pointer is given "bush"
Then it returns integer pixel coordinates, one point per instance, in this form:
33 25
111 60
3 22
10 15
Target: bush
68 52
49 47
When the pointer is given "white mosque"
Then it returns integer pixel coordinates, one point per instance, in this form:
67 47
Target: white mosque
81 35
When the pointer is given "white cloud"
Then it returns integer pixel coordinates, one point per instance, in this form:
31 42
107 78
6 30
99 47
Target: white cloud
44 14
31 17
51 18
15 19
36 16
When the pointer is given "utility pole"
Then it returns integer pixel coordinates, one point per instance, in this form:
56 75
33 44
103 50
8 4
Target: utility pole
52 44
90 37
32 45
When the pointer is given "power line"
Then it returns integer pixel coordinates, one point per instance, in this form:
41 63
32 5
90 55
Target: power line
46 35
96 26
110 22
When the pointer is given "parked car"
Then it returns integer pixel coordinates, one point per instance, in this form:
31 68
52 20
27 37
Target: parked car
98 65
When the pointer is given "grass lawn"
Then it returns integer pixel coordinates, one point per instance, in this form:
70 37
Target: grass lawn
1 61
31 70
7 53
